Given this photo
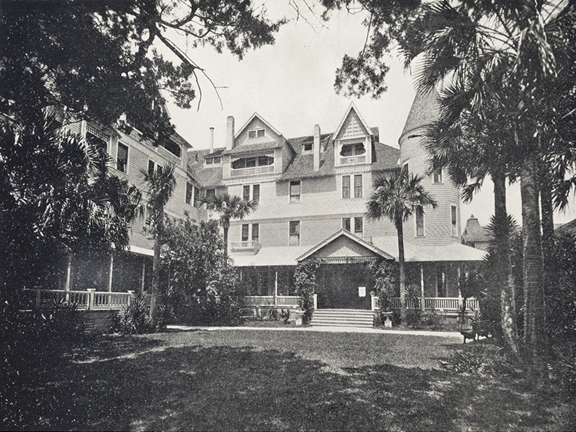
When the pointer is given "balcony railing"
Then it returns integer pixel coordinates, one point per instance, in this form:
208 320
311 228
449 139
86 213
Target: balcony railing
241 172
244 246
89 299
348 160
442 304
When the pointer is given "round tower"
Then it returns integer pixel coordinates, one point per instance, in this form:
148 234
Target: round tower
428 226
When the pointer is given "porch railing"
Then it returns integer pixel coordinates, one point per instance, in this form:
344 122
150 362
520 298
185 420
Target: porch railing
278 301
445 304
89 299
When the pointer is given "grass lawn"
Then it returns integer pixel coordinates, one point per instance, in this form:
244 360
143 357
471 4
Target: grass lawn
279 380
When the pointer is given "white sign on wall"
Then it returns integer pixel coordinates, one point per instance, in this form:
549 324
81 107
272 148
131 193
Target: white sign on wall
361 291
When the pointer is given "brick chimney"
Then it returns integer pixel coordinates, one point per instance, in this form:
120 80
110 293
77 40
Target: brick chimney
316 148
230 133
211 140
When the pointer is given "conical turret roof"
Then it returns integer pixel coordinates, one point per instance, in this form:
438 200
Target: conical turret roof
424 111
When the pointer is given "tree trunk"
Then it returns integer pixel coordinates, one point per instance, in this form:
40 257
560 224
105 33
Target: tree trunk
155 278
508 317
225 228
534 316
400 230
547 214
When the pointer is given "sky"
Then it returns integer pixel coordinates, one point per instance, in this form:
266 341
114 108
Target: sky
291 85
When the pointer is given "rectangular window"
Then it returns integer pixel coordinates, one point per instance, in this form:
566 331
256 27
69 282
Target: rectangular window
245 232
246 193
295 191
438 176
195 197
358 186
346 224
210 193
189 191
346 186
358 226
217 160
251 162
307 148
256 193
255 232
122 158
153 167
256 133
419 221
294 233
454 220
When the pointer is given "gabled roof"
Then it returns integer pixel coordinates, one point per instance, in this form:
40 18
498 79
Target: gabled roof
206 177
362 121
250 120
568 228
350 236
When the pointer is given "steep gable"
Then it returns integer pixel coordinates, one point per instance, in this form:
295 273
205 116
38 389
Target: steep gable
352 126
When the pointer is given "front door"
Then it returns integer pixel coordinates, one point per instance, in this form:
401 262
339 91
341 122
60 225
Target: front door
343 286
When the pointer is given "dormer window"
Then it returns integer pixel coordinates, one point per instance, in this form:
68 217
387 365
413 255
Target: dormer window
307 148
258 133
352 153
213 160
253 165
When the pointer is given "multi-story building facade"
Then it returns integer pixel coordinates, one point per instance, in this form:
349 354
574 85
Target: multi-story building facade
312 193
131 154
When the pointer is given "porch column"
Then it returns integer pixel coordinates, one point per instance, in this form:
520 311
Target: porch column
422 305
275 287
110 272
459 292
68 276
143 279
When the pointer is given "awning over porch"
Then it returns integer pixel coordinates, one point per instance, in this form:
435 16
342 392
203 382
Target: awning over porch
345 247
445 253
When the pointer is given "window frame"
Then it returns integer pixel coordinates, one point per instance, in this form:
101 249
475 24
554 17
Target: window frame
156 166
358 186
256 133
438 177
125 170
416 224
346 189
454 220
189 197
361 220
297 233
295 198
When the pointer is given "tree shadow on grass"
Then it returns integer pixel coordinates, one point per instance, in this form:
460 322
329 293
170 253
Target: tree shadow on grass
139 384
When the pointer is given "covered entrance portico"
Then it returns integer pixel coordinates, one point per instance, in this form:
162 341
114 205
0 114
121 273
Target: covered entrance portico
344 280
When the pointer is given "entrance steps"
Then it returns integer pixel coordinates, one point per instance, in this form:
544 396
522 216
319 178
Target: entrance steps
342 318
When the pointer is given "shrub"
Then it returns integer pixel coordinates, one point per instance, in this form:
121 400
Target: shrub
486 360
413 317
305 283
135 318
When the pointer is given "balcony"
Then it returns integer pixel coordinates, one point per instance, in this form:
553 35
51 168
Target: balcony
446 305
350 160
245 246
241 172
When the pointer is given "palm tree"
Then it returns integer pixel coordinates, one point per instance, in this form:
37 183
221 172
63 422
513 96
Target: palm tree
396 198
161 184
229 207
500 58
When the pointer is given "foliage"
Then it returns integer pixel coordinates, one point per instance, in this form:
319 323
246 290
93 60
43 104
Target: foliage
44 57
29 339
305 284
229 207
56 196
486 360
161 185
134 318
385 276
396 198
203 287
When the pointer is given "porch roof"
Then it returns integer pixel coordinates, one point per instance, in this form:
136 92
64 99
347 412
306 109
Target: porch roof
386 246
414 253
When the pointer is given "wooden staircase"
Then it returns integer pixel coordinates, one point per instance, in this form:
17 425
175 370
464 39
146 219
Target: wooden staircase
342 318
